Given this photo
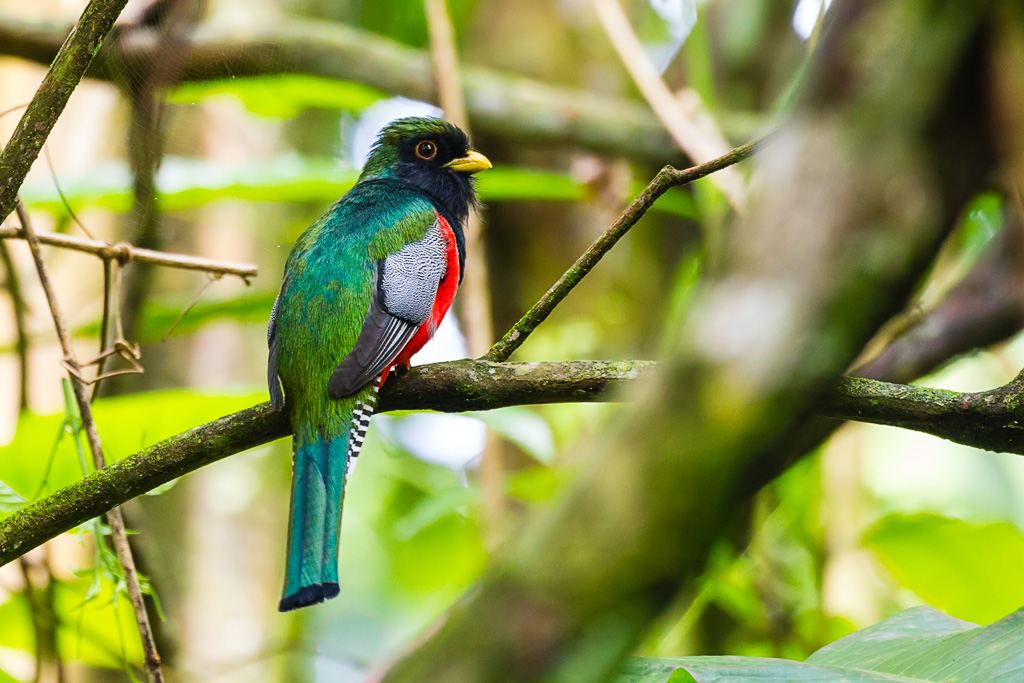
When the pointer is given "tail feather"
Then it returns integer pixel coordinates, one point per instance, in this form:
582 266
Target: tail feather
318 488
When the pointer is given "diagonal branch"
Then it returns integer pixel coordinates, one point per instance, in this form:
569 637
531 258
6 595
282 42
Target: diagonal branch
666 179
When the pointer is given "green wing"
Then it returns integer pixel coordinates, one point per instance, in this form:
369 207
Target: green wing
329 286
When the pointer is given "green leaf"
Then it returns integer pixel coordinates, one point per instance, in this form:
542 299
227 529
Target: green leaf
10 500
281 96
919 645
972 571
981 221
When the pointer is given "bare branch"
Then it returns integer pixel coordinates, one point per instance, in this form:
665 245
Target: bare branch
666 179
989 420
124 253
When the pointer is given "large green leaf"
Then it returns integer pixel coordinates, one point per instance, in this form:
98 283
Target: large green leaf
972 571
919 645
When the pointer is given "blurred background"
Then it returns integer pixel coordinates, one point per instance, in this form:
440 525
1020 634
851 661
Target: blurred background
878 520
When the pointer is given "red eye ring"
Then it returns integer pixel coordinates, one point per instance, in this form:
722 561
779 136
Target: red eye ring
426 150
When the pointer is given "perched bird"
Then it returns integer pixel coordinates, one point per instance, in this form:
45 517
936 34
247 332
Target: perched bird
364 289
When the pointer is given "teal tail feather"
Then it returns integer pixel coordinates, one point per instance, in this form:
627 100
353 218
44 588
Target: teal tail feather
318 489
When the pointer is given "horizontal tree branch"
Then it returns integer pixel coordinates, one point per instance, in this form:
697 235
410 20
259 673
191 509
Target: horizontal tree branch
124 252
989 420
499 104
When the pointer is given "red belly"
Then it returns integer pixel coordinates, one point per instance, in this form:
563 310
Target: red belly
445 293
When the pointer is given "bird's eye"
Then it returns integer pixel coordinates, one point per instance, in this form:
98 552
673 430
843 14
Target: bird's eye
426 150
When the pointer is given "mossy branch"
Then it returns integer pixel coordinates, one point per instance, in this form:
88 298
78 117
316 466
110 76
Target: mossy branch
989 420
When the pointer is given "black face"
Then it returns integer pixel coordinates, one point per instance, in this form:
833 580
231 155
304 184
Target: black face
421 162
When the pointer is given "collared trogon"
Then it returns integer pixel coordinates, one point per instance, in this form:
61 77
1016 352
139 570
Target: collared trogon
364 289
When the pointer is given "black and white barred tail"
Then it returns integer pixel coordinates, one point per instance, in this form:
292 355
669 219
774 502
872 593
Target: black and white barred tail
360 425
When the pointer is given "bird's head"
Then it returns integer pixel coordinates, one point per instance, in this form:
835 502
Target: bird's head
432 155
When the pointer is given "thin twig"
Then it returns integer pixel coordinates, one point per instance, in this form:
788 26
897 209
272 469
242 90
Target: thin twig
446 62
108 303
114 517
46 106
666 179
191 304
698 141
474 294
124 252
18 305
63 198
13 109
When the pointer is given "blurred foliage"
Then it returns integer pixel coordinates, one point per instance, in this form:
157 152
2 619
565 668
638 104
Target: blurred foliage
93 629
191 183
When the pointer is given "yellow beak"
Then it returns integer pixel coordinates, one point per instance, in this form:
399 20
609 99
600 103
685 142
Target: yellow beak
474 162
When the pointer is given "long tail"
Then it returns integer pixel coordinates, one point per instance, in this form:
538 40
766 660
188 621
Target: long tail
318 488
